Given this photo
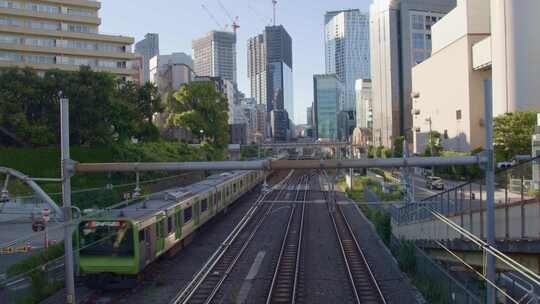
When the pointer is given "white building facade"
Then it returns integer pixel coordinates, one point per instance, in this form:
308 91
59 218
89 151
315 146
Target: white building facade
169 72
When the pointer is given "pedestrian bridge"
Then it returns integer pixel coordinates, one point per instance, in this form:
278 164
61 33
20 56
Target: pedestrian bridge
517 219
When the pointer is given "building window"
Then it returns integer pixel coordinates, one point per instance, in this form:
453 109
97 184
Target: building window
458 114
417 22
418 40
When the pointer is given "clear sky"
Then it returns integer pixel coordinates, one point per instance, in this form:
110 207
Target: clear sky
178 22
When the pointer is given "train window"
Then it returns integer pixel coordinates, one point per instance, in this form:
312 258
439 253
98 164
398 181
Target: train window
216 198
204 205
106 238
241 183
234 188
141 236
169 224
188 214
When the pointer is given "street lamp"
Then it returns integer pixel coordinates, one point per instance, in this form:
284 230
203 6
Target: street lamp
202 135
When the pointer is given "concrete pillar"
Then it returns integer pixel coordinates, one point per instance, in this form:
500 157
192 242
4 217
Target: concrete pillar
515 45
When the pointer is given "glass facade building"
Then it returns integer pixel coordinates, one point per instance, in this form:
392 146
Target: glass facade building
328 94
270 71
347 52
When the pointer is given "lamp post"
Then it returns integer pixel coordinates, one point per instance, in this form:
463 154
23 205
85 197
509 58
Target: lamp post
429 121
202 135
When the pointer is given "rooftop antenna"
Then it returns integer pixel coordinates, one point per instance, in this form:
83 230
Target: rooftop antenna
274 4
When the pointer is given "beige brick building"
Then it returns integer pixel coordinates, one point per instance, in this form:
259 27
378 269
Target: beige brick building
60 34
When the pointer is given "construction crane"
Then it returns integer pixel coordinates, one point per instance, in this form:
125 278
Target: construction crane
211 15
274 4
260 15
234 21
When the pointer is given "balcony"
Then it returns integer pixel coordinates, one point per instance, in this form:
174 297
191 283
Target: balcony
482 54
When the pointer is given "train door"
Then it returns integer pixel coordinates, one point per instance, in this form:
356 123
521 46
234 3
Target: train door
197 211
160 234
145 247
178 222
215 201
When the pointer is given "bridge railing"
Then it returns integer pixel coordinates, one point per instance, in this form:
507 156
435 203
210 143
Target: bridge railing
517 204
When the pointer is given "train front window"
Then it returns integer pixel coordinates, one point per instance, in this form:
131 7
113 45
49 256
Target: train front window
113 238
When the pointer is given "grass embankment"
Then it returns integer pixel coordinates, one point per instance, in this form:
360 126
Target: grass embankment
380 219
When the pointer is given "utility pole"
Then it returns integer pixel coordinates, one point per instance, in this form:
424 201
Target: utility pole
490 191
66 196
431 143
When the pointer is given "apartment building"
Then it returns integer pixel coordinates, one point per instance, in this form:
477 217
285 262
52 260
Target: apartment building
61 34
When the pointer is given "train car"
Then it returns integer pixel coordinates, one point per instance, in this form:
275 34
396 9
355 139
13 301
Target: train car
116 245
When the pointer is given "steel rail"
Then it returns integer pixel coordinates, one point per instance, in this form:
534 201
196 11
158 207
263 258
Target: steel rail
350 262
286 245
280 164
185 295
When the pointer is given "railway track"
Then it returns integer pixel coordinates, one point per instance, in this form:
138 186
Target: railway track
283 288
365 288
206 284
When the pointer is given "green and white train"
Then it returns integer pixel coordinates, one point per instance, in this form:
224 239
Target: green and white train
116 245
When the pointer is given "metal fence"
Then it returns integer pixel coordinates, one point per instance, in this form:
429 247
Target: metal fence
435 281
517 193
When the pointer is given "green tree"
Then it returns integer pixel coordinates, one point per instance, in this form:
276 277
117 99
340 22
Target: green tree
199 106
398 146
24 114
512 134
434 138
103 108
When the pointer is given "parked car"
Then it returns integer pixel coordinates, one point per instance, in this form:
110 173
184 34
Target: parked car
434 183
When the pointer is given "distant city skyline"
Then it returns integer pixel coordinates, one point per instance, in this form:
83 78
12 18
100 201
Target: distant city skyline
179 23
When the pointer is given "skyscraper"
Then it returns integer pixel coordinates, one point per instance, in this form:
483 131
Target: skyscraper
270 73
327 92
214 55
400 34
347 50
148 48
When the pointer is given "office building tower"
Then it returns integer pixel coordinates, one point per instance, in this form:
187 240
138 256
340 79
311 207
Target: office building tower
61 35
347 50
363 104
400 38
270 69
214 55
148 48
327 92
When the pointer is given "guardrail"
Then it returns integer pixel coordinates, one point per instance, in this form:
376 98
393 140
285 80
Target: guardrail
517 213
